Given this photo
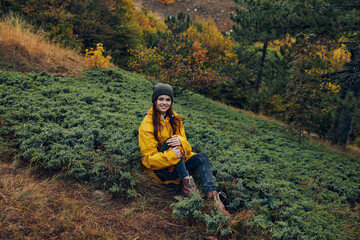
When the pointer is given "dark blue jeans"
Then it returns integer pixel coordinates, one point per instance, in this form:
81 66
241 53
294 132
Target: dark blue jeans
199 161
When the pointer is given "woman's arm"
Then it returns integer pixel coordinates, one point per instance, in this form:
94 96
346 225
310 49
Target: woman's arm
184 144
153 159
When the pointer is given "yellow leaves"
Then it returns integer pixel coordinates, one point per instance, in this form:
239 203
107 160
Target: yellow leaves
95 59
220 48
146 60
336 58
287 41
333 88
317 58
339 57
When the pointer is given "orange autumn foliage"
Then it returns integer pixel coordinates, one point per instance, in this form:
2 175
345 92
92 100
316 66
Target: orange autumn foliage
149 23
219 48
167 2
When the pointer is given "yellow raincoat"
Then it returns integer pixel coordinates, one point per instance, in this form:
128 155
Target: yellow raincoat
154 160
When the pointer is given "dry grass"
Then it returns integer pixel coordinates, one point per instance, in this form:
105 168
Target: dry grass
352 152
24 50
37 210
34 208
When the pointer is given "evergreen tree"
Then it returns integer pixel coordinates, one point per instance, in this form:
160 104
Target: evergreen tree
263 21
349 95
342 20
178 24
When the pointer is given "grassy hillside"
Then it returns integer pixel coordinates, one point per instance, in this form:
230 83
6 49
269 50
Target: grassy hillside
86 129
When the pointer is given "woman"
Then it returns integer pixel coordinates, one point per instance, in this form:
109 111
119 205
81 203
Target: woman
167 155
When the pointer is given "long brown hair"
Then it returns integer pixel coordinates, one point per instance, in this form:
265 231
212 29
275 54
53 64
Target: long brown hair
174 120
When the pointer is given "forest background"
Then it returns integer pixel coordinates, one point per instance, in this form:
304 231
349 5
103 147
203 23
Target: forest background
299 65
296 61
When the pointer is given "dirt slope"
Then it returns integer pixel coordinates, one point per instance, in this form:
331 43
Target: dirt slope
219 10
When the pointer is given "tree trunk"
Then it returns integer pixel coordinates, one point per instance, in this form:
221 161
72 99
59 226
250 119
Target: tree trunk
2 7
341 127
259 75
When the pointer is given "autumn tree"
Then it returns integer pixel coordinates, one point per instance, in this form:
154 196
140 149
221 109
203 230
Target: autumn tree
219 47
175 59
81 24
149 23
112 22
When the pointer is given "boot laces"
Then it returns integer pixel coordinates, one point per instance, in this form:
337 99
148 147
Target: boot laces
222 194
192 184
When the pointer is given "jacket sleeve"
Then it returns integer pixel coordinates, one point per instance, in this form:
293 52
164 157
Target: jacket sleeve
186 147
153 159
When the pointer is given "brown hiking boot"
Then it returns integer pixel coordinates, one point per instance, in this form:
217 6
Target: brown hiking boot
189 186
214 196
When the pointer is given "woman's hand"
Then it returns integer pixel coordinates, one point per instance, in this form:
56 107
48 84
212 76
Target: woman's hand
174 141
177 152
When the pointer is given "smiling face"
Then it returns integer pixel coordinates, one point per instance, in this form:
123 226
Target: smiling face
163 103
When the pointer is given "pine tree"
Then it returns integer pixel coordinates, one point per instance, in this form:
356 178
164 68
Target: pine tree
349 95
178 24
342 20
263 21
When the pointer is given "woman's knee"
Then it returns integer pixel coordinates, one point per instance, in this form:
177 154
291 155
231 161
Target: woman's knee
203 157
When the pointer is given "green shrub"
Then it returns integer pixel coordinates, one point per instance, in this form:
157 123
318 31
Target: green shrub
194 210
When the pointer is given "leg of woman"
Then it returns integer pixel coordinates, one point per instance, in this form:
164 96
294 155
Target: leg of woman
166 175
180 168
202 163
181 172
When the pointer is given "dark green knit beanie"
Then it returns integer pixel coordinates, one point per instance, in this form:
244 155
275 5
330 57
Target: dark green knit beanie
162 89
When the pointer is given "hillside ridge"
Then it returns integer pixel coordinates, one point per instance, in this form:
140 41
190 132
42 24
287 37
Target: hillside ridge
218 10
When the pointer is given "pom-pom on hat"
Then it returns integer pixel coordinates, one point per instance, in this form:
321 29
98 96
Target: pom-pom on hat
162 89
